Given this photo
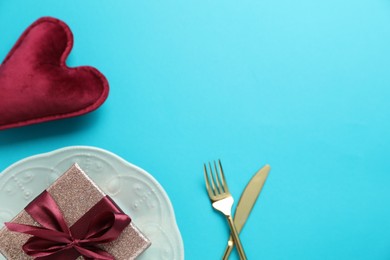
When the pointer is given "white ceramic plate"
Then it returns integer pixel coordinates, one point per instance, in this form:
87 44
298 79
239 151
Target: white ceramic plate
134 190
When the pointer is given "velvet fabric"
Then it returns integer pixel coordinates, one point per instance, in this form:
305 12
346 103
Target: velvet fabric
37 86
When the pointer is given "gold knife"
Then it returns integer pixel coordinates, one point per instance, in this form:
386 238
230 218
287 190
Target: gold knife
246 203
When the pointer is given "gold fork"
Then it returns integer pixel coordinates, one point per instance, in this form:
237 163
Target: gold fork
222 200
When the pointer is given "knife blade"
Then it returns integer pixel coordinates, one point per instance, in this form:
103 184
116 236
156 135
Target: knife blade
247 201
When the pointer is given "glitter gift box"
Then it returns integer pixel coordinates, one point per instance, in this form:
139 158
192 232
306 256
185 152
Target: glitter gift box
75 194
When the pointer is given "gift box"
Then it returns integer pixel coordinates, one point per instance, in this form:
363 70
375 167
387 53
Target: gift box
72 219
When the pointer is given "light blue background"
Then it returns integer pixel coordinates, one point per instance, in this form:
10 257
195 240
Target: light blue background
301 85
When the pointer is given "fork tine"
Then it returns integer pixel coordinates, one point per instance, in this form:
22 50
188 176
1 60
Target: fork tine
212 177
218 179
206 177
224 184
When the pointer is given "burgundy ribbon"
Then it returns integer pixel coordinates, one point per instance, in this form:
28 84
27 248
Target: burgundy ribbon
103 223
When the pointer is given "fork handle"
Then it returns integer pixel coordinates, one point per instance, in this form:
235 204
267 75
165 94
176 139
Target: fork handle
236 239
228 249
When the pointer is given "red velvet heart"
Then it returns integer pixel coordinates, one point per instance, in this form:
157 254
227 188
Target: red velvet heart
37 86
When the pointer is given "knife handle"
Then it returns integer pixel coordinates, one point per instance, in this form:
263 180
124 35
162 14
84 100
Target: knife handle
228 249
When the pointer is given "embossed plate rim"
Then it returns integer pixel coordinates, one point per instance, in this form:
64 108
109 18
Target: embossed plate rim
116 162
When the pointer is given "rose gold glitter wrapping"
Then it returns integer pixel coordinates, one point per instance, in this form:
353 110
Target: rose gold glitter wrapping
75 193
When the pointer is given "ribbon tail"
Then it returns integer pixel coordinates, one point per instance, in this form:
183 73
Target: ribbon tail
68 254
94 253
37 247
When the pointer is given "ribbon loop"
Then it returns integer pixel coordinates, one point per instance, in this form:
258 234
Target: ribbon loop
55 240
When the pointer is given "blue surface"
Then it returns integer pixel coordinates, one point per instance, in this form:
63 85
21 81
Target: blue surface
301 85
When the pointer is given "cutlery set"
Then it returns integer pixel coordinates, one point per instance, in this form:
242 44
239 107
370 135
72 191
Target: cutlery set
222 201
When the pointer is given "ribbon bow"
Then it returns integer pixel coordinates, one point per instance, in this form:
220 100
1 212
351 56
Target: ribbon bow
103 223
